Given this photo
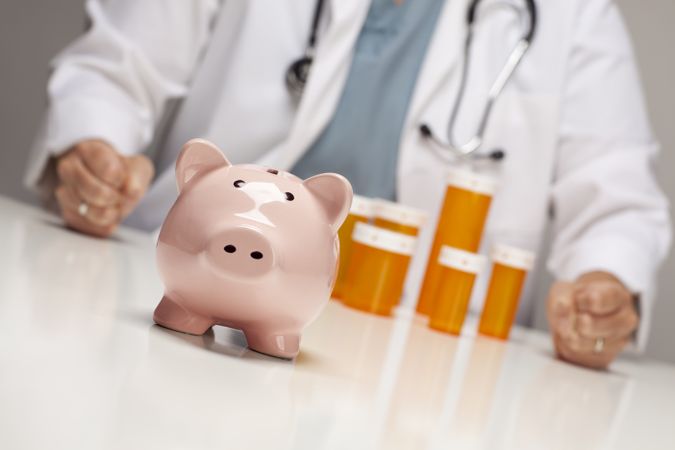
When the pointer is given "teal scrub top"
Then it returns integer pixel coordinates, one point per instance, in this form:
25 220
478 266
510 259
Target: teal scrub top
361 141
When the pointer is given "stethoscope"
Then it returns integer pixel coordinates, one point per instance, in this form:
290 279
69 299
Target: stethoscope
298 72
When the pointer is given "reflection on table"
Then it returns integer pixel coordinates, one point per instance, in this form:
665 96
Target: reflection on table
83 366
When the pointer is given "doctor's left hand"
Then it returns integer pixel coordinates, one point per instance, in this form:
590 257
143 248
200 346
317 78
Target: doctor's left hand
98 187
592 319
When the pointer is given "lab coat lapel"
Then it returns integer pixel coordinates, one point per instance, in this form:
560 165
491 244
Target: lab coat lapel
326 81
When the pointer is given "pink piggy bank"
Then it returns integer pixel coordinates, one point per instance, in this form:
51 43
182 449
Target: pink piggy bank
249 248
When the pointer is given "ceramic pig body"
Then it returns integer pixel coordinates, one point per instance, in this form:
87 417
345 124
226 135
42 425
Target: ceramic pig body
248 248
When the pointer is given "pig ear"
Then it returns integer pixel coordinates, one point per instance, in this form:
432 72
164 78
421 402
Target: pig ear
197 156
335 194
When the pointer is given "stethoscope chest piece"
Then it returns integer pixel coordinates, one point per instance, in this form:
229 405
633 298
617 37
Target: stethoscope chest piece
297 74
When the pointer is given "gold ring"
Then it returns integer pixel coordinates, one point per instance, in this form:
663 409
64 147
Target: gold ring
83 209
599 345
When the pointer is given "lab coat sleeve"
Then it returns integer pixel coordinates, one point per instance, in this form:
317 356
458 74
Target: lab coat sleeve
114 81
609 213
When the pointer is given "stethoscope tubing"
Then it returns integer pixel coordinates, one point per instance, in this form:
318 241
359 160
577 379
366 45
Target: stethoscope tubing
469 149
298 72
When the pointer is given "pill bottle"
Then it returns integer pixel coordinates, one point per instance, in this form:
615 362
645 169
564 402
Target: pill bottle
362 210
377 268
460 225
459 269
509 269
400 218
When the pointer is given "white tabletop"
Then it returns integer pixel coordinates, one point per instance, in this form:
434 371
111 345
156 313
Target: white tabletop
83 367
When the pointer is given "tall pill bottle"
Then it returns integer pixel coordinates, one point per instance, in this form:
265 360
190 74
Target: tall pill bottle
460 225
400 218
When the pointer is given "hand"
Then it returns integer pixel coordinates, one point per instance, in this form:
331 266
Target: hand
591 319
109 184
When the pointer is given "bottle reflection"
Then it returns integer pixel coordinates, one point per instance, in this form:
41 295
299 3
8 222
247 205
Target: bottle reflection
356 354
469 401
478 388
425 370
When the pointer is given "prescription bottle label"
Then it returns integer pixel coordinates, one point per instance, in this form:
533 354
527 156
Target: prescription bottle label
362 210
460 225
400 218
509 271
377 269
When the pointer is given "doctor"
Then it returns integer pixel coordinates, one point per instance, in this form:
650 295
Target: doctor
570 121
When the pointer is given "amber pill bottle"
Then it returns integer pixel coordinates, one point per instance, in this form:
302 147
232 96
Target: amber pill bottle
460 225
362 210
509 269
458 273
377 268
400 218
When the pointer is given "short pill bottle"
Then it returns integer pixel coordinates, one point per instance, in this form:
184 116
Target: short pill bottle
400 218
460 225
458 274
377 269
361 211
509 269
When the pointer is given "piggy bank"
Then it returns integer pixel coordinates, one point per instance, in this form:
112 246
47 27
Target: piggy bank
248 247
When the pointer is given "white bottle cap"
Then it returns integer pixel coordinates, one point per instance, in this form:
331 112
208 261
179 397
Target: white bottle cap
382 239
363 206
471 181
401 214
513 257
461 260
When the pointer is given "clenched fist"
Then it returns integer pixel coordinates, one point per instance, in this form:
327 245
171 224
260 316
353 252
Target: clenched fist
98 187
591 319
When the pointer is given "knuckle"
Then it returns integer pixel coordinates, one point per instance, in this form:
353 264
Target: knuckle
97 193
585 324
110 169
604 302
60 193
63 167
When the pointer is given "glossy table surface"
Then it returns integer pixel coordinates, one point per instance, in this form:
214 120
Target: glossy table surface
83 367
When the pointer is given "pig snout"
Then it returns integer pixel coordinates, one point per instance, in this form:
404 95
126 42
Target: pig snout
241 251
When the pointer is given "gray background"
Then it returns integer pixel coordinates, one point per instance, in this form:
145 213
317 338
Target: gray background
33 31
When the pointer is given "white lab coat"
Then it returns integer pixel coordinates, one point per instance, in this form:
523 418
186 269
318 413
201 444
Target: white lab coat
572 120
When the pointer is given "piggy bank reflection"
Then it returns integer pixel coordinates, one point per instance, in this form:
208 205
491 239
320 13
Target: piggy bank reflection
249 248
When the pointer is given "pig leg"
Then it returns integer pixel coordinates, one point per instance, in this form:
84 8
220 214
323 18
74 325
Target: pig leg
172 315
281 345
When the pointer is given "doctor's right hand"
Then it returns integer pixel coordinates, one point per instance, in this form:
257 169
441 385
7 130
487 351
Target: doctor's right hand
591 319
98 187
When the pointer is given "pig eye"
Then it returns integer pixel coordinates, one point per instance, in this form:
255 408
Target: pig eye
290 197
239 183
